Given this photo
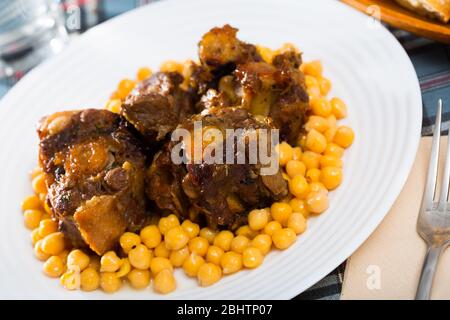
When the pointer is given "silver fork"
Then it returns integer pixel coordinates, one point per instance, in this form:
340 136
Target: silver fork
433 224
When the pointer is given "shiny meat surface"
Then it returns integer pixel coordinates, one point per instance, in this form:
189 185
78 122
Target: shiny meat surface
94 167
219 194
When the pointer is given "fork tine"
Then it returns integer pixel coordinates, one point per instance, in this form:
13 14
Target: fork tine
446 176
430 187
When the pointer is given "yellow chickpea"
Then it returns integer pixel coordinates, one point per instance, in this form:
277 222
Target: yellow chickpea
315 141
176 238
324 85
191 229
330 161
311 82
139 279
299 205
331 177
246 231
223 239
47 208
285 153
47 226
320 124
35 237
109 282
284 238
214 254
199 246
239 243
171 66
313 68
54 267
209 234
312 175
164 282
177 257
317 187
272 226
231 262
263 242
53 244
208 274
317 202
257 219
161 250
38 184
321 107
31 203
298 186
110 262
252 257
32 218
70 280
344 136
297 222
192 264
295 167
124 88
89 279
151 236
35 172
124 269
167 223
280 211
334 150
114 105
296 153
41 255
158 264
143 73
129 240
140 257
311 159
338 108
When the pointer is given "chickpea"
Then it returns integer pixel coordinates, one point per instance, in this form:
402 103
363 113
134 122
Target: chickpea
317 187
109 282
321 107
263 242
192 264
320 124
223 239
167 223
297 222
271 227
70 280
315 141
191 229
46 227
110 262
177 257
214 254
317 202
284 238
199 246
164 282
54 267
331 177
124 269
324 85
89 279
334 150
246 231
53 244
231 262
299 205
114 105
35 237
344 136
128 241
298 186
313 68
295 167
176 238
252 257
151 236
239 243
285 153
158 264
143 73
140 257
257 219
139 279
31 203
32 218
162 251
41 255
208 274
313 175
208 234
311 159
338 108
330 161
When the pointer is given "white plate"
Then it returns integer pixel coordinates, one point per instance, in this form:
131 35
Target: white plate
367 66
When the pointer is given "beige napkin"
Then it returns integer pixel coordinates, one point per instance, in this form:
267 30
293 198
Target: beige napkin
388 264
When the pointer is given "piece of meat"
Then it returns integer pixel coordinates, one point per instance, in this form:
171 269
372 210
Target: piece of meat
276 90
158 105
219 194
94 166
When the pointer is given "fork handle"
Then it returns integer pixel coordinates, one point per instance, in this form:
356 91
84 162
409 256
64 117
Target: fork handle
428 270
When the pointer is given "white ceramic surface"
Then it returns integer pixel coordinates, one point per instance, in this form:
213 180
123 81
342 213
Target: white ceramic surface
367 66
